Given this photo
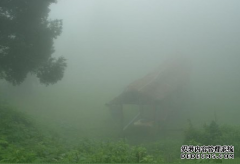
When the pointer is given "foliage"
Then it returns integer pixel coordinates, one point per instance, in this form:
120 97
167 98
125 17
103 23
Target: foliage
165 150
26 41
108 152
22 140
214 134
210 135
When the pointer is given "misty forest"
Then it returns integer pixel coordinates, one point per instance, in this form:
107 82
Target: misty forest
119 81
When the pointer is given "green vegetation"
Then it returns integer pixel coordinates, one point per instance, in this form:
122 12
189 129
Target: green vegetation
213 134
22 140
26 42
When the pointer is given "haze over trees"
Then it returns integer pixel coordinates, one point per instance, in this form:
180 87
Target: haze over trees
120 53
26 42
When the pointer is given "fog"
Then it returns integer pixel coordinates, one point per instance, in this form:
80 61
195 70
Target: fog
109 44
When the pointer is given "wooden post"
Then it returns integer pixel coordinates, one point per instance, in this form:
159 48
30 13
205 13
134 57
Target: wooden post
121 120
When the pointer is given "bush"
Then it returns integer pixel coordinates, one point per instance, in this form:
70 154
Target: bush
21 140
107 152
214 134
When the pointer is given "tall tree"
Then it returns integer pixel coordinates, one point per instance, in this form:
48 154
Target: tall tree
26 41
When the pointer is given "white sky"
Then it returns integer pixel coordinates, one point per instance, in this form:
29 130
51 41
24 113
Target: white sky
110 41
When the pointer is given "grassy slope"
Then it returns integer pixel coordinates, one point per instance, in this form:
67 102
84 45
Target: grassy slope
21 140
74 116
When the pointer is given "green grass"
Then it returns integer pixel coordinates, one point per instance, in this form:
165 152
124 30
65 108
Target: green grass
21 140
56 124
24 140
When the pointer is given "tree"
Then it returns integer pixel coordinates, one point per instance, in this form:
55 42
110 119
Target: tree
26 41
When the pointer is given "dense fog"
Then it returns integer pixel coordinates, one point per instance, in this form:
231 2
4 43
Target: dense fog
109 44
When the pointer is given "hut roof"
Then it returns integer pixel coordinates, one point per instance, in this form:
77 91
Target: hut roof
162 81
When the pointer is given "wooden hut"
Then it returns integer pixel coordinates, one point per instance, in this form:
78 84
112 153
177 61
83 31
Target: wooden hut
158 90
